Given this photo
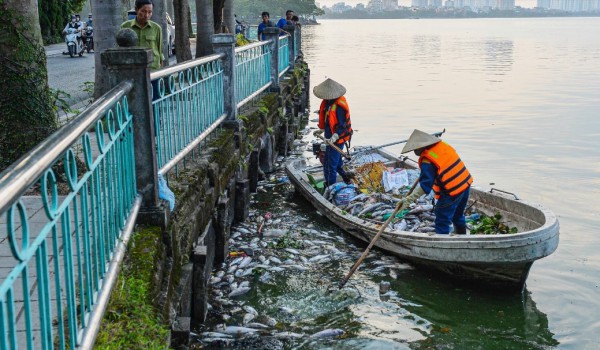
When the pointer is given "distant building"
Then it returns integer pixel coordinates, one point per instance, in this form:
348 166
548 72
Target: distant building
375 6
570 5
505 4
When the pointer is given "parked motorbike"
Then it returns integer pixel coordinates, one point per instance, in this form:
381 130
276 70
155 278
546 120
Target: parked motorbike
74 42
89 38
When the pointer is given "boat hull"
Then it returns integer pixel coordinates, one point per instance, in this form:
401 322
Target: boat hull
493 260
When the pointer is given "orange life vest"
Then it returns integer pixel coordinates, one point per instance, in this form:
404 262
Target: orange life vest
452 175
332 119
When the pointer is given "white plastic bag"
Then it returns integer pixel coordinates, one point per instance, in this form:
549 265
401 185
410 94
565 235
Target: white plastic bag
394 179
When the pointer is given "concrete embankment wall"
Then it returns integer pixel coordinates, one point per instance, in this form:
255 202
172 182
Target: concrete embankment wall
212 190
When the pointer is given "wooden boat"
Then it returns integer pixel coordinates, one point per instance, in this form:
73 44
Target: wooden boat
490 260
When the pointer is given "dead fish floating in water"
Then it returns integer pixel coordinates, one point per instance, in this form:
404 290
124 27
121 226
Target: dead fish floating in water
238 292
328 333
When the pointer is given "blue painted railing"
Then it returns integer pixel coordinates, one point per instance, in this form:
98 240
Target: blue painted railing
284 55
252 71
66 247
189 107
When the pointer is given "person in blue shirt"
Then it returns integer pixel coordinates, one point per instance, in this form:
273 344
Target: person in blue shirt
287 20
264 24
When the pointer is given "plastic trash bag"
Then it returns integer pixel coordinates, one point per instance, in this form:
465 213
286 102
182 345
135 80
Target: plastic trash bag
165 193
394 179
341 193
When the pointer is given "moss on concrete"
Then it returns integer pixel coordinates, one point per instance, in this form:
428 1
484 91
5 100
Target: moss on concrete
131 320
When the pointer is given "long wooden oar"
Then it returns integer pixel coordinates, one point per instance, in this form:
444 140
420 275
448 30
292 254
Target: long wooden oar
370 148
331 144
366 252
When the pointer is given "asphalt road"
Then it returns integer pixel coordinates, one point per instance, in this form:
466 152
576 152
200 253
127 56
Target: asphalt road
69 74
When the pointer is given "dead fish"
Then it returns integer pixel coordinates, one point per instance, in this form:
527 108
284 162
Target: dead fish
214 335
214 280
421 208
243 230
286 309
401 226
297 267
328 333
426 229
265 277
257 325
292 251
249 309
270 321
245 262
236 330
370 208
247 318
275 260
288 335
239 291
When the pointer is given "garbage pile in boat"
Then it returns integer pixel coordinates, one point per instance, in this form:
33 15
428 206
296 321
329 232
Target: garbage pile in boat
377 190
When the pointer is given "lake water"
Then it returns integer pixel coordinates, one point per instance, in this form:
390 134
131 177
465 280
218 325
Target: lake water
519 99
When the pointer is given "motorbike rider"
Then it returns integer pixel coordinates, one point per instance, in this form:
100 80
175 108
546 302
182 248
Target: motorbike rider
88 29
74 24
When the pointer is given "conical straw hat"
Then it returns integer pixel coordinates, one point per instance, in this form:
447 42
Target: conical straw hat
419 139
329 90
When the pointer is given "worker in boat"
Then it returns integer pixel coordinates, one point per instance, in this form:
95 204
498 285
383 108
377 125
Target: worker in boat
442 171
334 122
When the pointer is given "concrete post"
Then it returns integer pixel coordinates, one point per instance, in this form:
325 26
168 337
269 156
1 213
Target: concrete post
272 34
292 30
225 43
132 63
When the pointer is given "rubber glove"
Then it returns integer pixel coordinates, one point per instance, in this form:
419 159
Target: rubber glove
335 137
413 196
323 146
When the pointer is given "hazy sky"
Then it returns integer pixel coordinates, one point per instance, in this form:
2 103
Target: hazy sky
522 3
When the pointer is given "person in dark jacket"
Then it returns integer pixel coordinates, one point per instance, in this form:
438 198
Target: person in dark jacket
444 173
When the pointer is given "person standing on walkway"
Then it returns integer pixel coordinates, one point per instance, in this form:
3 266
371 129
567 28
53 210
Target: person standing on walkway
149 33
266 23
334 121
287 20
442 171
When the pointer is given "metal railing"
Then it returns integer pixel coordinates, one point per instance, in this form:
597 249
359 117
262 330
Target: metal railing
283 63
252 71
67 210
189 106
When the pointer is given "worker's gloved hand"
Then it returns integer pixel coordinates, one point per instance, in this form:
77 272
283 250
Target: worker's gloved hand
335 137
318 132
415 194
323 146
403 204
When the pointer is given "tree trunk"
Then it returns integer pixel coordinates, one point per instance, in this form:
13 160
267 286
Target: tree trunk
159 16
228 16
108 17
205 23
218 15
182 32
27 115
